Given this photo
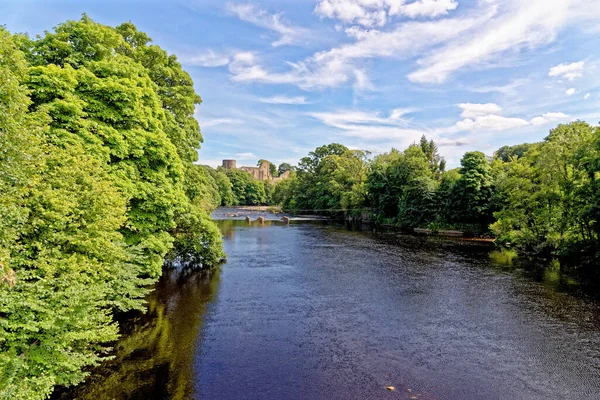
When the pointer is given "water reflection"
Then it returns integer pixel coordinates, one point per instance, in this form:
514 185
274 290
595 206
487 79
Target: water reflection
154 357
317 311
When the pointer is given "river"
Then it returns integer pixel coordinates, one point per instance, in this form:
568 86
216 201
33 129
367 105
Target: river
312 310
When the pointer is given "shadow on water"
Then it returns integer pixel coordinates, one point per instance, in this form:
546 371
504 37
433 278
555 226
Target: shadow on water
154 356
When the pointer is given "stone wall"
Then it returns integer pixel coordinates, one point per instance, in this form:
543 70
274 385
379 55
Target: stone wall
262 173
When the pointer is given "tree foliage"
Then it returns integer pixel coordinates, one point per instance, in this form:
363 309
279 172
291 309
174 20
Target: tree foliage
247 190
97 186
550 196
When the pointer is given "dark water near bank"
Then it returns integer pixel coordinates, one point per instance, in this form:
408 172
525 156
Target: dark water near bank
315 311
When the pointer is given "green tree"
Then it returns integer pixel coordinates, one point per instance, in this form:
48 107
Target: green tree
549 195
96 185
224 185
505 153
247 190
470 200
283 167
437 163
402 187
416 205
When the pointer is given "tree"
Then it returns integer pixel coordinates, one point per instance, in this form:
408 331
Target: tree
437 163
130 104
96 185
444 195
247 190
505 153
416 205
224 185
550 194
309 163
470 200
383 187
283 168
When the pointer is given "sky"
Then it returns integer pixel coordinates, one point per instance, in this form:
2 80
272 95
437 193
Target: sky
279 78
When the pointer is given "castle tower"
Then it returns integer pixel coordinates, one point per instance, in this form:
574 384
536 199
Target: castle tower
265 171
229 164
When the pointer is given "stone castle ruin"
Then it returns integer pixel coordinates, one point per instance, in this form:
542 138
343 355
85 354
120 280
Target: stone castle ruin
262 172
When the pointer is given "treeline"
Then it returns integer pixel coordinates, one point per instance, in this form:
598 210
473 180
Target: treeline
97 186
236 187
542 198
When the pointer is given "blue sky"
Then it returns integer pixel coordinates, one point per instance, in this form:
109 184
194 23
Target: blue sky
279 78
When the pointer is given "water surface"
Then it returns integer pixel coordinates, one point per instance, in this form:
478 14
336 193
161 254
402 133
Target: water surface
315 311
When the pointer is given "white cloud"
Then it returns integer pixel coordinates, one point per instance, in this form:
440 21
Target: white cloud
587 96
398 113
548 118
207 59
490 122
245 68
246 156
371 13
363 12
343 117
486 117
486 34
520 26
425 8
288 33
568 71
336 67
371 126
205 123
472 110
284 100
570 92
507 89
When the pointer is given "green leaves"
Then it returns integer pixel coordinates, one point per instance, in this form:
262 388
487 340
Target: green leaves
549 194
97 186
247 190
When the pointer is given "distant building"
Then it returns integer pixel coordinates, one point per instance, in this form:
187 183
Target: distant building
229 164
262 172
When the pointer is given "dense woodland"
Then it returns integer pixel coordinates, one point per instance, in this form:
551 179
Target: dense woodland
99 185
541 198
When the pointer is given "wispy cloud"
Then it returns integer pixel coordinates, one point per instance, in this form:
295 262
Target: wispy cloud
207 58
337 66
478 38
373 127
247 156
507 89
288 33
205 123
520 26
571 91
283 100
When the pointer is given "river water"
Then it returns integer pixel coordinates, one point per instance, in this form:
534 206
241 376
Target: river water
313 310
